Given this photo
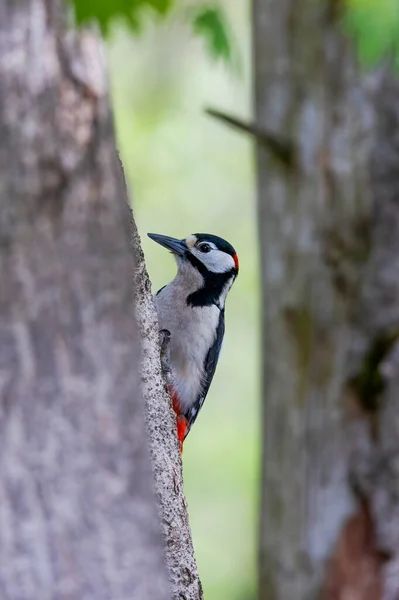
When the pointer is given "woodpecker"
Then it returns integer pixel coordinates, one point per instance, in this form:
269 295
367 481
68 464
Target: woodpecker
191 310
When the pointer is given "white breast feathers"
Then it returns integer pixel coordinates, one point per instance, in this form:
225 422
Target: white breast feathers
193 331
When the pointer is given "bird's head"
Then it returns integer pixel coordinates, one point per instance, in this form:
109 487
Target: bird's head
207 258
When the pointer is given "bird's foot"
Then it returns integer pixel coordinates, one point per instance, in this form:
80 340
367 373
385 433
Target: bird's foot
164 335
181 421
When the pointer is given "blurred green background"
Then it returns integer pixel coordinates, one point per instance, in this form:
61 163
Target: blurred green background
191 174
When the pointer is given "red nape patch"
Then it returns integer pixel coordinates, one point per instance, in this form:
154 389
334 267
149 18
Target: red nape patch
235 258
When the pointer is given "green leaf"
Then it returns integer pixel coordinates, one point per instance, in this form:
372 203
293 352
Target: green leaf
374 25
105 12
209 23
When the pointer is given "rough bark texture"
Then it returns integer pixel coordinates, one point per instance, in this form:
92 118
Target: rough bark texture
165 455
164 448
78 516
329 229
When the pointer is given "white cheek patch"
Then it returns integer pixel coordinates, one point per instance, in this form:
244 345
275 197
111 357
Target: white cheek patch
215 261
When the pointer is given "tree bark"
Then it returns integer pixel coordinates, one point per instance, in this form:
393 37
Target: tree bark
78 516
164 447
329 230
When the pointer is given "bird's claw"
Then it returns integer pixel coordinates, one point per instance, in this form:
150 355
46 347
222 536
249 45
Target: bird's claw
165 336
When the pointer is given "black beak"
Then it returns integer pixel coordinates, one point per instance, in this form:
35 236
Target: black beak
176 246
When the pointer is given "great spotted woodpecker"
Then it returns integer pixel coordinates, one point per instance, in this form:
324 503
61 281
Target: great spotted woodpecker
191 309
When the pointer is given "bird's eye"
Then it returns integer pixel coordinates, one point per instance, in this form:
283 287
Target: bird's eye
204 248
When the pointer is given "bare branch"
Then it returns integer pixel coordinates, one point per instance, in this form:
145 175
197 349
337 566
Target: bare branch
282 150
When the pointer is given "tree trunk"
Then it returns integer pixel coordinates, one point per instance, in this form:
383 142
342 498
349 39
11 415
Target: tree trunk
78 516
165 454
329 229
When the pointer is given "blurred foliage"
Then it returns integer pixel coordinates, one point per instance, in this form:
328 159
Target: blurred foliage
374 24
189 173
106 12
208 21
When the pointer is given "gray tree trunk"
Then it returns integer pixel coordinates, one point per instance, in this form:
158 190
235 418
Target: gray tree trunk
329 229
78 515
165 454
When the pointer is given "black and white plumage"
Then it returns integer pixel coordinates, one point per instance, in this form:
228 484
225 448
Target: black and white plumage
191 307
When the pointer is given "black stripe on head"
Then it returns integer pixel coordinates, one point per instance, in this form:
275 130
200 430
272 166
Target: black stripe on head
213 286
211 291
219 242
214 283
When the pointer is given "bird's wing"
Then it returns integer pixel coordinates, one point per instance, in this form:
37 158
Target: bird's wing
160 290
210 363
